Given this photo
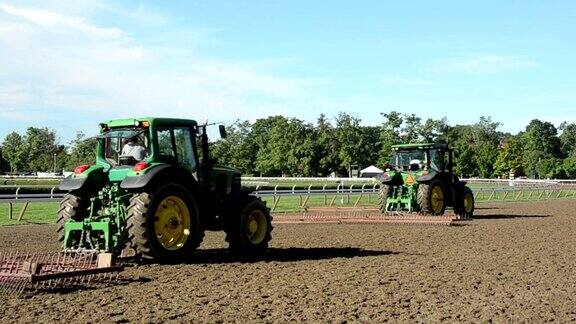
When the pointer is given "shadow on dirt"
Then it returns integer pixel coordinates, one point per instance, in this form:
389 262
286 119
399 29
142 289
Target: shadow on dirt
68 287
284 255
504 216
486 208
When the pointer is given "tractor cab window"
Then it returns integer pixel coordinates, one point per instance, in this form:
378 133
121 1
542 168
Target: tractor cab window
166 151
125 146
185 148
175 145
409 160
436 160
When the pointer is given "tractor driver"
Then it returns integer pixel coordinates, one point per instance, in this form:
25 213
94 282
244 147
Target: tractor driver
415 165
133 149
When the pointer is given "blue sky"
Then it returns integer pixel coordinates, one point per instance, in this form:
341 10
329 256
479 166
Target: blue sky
70 64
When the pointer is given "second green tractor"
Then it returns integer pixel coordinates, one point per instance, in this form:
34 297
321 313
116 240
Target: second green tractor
420 179
154 190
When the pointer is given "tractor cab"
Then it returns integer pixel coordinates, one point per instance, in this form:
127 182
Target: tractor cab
421 157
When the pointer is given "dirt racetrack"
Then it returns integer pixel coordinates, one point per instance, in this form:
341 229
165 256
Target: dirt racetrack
515 262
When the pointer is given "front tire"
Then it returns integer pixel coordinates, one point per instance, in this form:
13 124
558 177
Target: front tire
465 204
163 225
383 196
431 198
248 225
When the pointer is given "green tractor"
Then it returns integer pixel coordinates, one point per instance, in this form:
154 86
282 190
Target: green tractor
419 178
154 190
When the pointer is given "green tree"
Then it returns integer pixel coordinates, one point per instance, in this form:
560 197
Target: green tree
434 130
13 151
541 143
326 147
568 139
289 150
82 151
238 149
569 167
411 129
550 168
371 147
510 158
349 137
262 131
40 145
389 135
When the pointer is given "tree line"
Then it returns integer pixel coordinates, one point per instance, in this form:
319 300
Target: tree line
39 150
282 146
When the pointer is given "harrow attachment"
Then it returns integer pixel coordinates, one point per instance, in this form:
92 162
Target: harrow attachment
356 216
24 271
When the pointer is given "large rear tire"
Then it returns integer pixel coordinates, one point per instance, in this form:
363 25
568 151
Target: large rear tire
465 205
162 225
71 207
248 225
431 198
383 197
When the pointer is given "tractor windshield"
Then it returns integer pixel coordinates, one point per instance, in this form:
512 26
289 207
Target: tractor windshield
409 160
125 146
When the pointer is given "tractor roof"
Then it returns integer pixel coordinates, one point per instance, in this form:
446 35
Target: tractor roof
152 120
419 146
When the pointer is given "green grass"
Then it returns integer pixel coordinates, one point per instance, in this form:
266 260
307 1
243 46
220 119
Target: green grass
292 203
36 213
45 212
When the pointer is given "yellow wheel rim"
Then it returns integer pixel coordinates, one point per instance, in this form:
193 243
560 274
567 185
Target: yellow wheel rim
172 223
468 202
256 226
437 200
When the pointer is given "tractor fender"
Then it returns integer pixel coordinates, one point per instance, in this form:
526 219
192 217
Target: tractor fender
392 180
91 180
427 177
160 174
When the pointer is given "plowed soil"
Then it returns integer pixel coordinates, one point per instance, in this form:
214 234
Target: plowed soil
515 262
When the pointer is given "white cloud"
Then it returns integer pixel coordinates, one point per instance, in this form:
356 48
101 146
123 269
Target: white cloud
65 62
48 19
484 63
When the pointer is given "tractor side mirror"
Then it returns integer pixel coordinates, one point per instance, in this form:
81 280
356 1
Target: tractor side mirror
222 129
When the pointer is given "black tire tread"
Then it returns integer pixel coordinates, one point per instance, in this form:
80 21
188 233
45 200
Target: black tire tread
383 197
235 210
69 208
137 241
459 206
424 194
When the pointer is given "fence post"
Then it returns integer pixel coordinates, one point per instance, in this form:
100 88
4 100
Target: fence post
17 190
10 210
325 196
349 193
23 211
52 193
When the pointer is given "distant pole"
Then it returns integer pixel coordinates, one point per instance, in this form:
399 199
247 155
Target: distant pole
54 162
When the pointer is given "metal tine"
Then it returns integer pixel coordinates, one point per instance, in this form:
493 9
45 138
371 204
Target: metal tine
3 262
5 287
19 287
86 265
9 262
11 288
